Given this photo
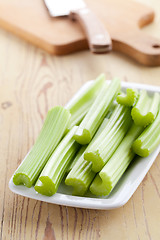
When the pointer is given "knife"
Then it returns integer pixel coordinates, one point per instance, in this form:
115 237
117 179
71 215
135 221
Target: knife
98 38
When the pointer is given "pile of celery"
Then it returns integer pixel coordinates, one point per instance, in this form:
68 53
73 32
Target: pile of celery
91 142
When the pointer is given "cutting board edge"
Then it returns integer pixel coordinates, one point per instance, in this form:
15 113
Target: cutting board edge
51 48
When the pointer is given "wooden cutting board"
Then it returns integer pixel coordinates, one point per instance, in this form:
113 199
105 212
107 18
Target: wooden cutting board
30 20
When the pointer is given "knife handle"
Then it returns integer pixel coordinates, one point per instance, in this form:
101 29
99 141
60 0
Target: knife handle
98 38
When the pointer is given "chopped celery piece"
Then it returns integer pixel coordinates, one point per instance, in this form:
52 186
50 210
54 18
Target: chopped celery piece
128 99
147 142
81 174
83 148
107 178
79 106
79 154
97 112
100 151
80 177
51 133
52 174
146 108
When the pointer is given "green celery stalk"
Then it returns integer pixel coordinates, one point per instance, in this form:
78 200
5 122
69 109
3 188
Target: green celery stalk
146 108
83 148
79 106
81 174
51 133
55 169
97 112
147 142
107 178
128 99
79 154
100 151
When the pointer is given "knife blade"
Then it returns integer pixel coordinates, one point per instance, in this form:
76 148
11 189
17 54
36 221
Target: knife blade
99 40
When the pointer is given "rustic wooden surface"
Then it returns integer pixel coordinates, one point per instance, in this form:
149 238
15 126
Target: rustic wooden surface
61 36
31 82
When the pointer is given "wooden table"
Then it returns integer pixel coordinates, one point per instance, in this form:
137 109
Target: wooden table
31 82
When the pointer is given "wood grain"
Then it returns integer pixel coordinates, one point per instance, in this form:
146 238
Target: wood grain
31 82
30 20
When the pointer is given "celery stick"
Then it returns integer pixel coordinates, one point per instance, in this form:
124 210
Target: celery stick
128 99
81 174
83 148
107 178
107 142
51 133
97 112
146 108
80 177
79 154
147 142
52 174
79 106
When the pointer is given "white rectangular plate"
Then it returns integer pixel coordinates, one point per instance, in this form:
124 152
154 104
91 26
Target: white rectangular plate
121 193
